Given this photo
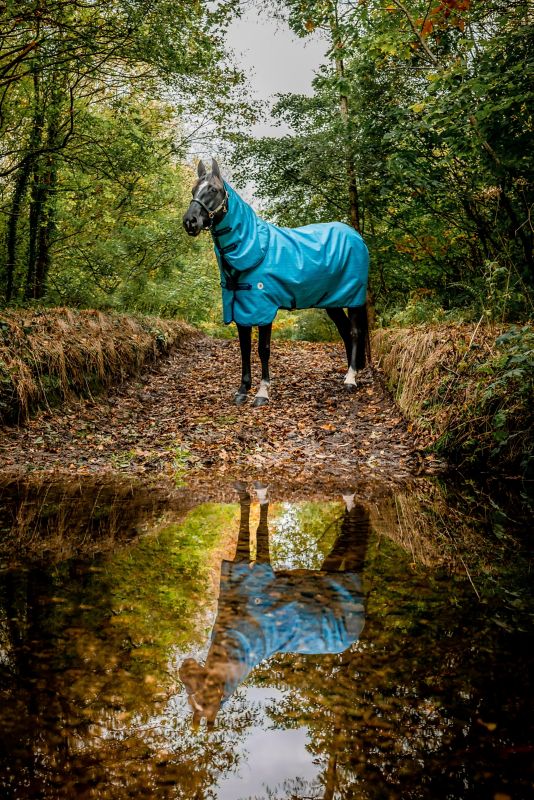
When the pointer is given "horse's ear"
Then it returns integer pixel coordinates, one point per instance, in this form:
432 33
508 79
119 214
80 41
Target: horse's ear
201 169
215 169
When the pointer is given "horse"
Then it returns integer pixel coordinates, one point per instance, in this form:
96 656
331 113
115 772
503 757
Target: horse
265 268
262 611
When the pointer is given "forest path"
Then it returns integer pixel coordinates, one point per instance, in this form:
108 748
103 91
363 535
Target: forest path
178 419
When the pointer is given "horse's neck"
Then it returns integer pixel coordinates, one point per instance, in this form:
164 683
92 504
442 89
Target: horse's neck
237 206
241 237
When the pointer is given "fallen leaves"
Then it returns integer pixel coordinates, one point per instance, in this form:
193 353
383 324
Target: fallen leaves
312 432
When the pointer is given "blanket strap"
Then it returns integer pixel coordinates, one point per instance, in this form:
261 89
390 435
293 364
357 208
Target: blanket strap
229 248
231 280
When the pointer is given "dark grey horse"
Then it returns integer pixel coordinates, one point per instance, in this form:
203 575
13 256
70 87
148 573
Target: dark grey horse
264 267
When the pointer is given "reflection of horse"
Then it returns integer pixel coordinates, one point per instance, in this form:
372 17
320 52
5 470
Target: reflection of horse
264 268
262 612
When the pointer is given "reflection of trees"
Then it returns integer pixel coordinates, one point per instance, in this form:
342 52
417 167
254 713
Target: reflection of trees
87 695
404 713
58 519
432 702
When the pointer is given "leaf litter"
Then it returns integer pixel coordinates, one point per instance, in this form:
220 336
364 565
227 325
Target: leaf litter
177 420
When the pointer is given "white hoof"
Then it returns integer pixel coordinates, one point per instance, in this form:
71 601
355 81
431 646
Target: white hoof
261 492
350 380
262 395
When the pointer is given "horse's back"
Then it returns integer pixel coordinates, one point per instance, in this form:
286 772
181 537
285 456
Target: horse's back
321 265
324 265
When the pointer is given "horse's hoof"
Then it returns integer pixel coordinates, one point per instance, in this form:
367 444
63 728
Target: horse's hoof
239 399
260 401
350 388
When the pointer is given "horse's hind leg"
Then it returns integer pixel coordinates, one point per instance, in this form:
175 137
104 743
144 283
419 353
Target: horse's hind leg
245 345
342 323
264 352
359 333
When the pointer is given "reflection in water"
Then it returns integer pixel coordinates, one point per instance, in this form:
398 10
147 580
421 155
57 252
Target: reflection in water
262 612
431 699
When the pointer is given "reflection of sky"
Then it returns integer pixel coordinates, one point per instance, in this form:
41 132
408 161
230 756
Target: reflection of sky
267 757
270 757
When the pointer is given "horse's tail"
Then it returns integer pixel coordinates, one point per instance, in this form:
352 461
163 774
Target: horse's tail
363 353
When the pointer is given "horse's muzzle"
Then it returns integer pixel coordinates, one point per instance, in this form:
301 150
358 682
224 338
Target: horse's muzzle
193 224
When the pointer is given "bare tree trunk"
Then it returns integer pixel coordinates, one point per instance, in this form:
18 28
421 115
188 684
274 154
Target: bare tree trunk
21 187
354 203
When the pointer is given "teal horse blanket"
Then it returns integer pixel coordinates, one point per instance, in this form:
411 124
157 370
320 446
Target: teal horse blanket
264 267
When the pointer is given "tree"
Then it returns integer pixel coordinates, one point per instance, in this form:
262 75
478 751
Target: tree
440 124
62 63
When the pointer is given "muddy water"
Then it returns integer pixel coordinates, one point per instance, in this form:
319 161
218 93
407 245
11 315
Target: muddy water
340 647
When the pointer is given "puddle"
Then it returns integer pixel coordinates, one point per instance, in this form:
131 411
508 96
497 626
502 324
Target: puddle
334 648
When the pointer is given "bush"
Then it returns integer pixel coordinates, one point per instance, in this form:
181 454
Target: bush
468 390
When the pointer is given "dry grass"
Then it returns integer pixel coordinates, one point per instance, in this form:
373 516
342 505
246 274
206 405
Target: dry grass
429 526
47 356
467 396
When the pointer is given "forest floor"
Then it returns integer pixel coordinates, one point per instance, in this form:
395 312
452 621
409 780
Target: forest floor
177 420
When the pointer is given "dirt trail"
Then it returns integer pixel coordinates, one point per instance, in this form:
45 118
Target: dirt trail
178 420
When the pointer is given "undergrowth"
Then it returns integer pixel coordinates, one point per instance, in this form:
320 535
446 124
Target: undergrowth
468 390
47 356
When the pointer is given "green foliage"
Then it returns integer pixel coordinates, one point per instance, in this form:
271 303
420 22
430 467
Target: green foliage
157 582
508 397
432 103
422 307
312 325
303 534
467 390
95 117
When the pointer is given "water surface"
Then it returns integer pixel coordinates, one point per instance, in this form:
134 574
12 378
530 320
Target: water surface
322 648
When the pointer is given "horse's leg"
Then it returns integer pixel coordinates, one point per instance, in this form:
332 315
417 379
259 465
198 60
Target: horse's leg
263 555
264 351
349 550
242 552
359 334
342 323
245 345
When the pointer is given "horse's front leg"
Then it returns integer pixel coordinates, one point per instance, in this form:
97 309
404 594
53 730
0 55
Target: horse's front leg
358 335
245 346
264 352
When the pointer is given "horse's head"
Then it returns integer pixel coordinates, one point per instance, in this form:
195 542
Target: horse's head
205 689
210 200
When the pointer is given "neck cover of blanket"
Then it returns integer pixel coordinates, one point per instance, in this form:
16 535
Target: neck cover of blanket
265 268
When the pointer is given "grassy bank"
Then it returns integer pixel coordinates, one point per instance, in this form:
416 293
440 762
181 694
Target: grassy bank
47 356
468 391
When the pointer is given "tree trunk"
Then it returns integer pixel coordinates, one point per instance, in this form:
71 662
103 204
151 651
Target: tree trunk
47 230
21 187
19 193
36 212
352 185
354 203
43 208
